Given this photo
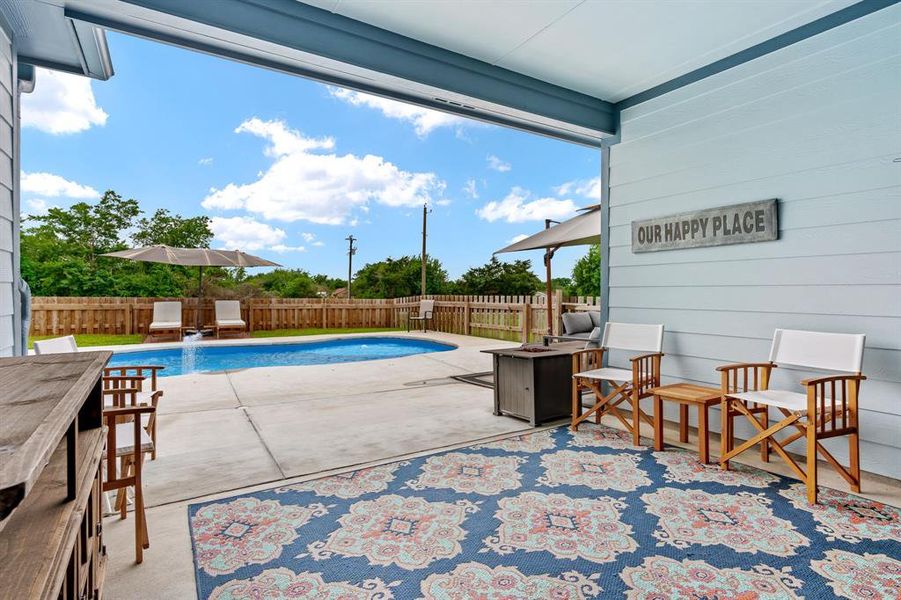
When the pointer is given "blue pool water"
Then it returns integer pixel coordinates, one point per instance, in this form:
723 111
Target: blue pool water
179 361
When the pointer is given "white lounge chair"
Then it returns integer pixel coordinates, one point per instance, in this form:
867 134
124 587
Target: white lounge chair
228 317
122 386
827 407
166 318
629 385
426 310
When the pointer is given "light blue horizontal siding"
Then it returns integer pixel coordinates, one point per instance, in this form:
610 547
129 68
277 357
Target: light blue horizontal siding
818 126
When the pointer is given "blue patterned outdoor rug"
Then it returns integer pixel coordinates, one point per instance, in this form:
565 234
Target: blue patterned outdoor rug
547 515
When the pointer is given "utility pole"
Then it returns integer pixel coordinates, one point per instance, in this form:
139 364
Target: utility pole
351 250
425 212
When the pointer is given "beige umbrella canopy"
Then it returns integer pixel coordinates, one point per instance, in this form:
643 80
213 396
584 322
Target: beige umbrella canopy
193 257
581 230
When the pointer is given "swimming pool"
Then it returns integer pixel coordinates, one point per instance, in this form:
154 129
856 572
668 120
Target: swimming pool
204 359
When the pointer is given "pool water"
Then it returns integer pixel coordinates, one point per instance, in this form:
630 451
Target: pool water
204 359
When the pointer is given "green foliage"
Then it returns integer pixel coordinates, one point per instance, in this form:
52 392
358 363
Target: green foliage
395 278
61 251
565 284
285 283
496 277
587 273
85 340
173 230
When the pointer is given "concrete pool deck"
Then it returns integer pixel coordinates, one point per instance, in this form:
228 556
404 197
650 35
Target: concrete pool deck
226 433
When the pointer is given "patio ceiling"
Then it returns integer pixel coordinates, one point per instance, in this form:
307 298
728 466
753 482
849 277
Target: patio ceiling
563 68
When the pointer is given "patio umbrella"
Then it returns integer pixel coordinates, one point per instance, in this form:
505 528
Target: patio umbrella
194 257
581 230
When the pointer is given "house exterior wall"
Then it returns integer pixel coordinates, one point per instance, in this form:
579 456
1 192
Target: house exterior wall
818 126
9 210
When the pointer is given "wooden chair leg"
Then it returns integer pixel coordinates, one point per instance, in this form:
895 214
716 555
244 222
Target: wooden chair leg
577 405
636 420
725 433
153 439
811 462
765 445
854 456
140 527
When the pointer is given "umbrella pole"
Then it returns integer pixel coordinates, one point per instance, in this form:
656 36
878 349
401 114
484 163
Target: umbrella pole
199 299
548 255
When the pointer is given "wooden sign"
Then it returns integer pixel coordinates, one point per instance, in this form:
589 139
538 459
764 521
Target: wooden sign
735 224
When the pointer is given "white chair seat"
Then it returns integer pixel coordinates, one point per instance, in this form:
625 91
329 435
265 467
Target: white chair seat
778 398
606 374
230 323
165 325
125 439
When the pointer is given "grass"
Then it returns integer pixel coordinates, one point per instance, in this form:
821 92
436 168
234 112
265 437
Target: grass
315 331
85 340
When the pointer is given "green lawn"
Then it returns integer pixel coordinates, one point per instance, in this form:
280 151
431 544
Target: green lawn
95 339
293 332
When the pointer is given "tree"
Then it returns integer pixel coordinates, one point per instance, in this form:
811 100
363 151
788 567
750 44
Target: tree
587 273
396 278
61 251
500 278
173 230
285 283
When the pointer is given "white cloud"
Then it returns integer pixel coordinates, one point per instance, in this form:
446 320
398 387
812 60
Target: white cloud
308 237
470 189
206 161
302 184
587 188
61 103
497 164
53 186
35 207
248 234
424 120
517 238
517 207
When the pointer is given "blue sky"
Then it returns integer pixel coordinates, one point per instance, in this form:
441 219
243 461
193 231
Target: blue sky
288 168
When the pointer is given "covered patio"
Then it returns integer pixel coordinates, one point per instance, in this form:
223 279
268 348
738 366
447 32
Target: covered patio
790 108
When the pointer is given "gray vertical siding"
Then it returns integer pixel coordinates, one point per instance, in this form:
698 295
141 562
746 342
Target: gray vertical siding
8 205
818 126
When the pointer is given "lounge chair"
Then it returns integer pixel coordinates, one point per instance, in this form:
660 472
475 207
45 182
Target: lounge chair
426 310
827 407
582 326
228 317
129 380
629 385
166 318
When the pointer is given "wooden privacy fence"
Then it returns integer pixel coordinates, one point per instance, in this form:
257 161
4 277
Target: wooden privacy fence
515 318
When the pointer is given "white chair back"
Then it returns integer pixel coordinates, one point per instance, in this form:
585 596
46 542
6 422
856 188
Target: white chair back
426 307
228 310
633 336
818 350
167 312
58 345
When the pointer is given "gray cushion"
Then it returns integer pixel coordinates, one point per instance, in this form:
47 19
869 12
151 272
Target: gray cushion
595 318
594 338
577 322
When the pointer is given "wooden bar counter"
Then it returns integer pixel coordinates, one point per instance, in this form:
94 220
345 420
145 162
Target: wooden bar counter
51 444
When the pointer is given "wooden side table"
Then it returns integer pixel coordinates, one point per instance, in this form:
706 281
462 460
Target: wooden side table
686 394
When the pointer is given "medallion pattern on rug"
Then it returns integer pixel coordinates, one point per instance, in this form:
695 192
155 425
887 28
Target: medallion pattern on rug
409 532
743 522
551 514
469 473
860 576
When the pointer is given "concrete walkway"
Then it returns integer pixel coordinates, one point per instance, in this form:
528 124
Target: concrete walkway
255 428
